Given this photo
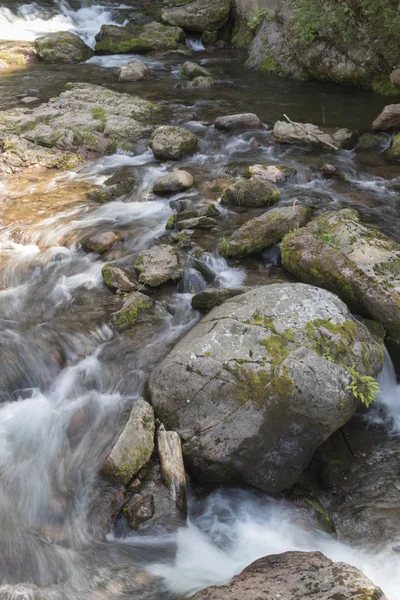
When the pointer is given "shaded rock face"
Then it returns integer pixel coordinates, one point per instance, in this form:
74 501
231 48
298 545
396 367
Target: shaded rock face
292 576
265 231
388 119
172 143
141 39
254 192
212 297
135 70
261 382
133 447
345 43
242 122
353 260
63 47
202 15
84 119
311 135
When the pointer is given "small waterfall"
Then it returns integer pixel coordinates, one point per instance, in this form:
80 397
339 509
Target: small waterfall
387 408
31 21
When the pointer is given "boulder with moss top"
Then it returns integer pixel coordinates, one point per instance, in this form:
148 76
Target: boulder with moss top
202 15
158 265
252 193
292 576
202 82
137 308
141 39
190 70
134 446
261 382
116 279
172 143
265 231
354 260
62 47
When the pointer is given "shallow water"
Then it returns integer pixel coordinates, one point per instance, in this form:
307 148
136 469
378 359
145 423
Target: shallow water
67 380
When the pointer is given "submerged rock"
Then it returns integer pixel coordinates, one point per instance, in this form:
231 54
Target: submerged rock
158 265
154 36
261 382
311 135
202 82
291 576
265 231
101 242
133 447
272 173
254 192
119 184
356 261
177 181
62 47
135 70
172 143
202 15
241 122
190 70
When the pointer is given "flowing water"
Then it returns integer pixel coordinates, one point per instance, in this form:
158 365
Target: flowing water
67 380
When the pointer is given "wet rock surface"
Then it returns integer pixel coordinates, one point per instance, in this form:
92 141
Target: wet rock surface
293 575
254 192
138 39
62 48
202 15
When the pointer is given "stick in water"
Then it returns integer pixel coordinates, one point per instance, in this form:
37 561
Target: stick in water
311 134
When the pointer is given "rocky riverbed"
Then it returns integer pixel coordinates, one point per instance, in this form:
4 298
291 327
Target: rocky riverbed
199 308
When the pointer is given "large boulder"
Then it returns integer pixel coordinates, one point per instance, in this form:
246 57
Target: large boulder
252 193
240 122
134 70
296 576
310 135
113 39
201 15
172 143
63 47
388 119
265 231
356 261
261 382
133 447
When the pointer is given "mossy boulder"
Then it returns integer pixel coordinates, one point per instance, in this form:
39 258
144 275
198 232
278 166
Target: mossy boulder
63 47
292 575
134 446
172 143
117 280
209 37
141 39
190 70
394 150
137 307
338 252
261 382
158 265
252 193
202 82
265 231
197 223
202 15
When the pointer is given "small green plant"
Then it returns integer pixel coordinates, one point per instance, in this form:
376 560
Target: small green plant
363 387
257 17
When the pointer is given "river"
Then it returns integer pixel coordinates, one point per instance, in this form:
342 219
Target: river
67 379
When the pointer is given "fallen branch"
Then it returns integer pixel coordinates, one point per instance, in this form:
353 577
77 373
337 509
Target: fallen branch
318 137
